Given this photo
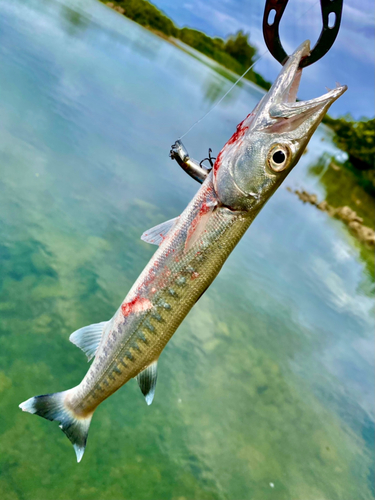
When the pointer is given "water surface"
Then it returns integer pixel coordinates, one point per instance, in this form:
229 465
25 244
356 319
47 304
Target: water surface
266 390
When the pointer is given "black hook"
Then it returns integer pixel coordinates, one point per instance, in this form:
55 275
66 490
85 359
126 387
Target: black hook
327 36
209 159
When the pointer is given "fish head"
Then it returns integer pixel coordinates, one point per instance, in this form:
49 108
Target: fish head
270 141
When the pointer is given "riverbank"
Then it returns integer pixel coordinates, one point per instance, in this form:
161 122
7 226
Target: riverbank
343 198
349 216
357 139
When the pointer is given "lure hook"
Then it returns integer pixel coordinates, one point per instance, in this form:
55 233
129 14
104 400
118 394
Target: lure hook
325 41
210 159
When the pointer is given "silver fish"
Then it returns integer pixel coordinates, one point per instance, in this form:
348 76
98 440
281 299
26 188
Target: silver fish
193 247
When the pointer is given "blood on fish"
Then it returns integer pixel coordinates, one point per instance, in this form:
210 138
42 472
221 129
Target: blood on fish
218 162
205 209
137 305
239 133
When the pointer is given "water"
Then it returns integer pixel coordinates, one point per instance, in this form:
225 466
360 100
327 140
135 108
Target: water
266 390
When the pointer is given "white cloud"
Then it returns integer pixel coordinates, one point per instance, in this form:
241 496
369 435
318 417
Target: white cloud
350 61
337 292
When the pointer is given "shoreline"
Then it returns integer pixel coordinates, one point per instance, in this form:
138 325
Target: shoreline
177 42
344 213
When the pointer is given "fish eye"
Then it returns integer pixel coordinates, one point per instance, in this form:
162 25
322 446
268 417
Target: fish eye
279 157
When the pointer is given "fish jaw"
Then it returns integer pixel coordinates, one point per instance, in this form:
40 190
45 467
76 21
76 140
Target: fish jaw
248 169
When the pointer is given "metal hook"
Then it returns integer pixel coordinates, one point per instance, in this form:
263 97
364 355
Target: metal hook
209 159
327 36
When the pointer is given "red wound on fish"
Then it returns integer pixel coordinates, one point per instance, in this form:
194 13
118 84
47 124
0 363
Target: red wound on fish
239 133
137 305
218 162
198 225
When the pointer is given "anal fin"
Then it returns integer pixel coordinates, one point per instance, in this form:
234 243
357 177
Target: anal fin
147 381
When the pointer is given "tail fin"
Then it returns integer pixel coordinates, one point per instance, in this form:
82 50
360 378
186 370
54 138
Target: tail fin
53 407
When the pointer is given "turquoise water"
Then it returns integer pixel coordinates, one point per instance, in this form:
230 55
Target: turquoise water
266 390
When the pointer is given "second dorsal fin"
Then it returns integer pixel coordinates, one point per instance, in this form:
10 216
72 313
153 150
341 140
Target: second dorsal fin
157 234
88 338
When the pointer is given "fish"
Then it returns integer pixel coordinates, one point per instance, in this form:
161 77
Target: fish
192 249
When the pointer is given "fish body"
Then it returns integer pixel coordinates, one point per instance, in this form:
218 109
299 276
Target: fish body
192 249
182 268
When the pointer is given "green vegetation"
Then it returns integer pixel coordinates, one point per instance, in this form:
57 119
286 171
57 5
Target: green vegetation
357 138
235 53
342 189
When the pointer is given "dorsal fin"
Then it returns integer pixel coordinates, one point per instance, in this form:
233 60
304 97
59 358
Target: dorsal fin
88 338
157 234
147 381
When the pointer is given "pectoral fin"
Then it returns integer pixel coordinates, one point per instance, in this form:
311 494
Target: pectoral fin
198 225
147 381
88 338
157 234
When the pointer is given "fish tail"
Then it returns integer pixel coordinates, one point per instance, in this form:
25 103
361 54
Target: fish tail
53 407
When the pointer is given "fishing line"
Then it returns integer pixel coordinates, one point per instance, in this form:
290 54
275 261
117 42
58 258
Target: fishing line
224 96
238 80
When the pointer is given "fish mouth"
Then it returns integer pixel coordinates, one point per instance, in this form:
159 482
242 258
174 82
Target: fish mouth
291 74
283 102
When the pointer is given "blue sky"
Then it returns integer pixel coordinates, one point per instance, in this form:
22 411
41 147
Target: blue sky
350 61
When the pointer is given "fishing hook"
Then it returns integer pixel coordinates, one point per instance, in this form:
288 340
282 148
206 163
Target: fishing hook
209 159
327 36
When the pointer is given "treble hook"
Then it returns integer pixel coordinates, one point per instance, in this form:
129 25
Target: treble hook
327 36
210 159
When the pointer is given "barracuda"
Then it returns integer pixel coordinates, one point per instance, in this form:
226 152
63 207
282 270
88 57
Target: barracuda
192 249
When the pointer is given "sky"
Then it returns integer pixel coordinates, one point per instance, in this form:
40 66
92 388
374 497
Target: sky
350 60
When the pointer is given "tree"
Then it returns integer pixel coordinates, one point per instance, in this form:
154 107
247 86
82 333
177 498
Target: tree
239 48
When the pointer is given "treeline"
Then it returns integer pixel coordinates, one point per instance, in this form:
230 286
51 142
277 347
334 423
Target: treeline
235 53
357 138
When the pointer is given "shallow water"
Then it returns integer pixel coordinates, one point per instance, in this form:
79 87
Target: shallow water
266 390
